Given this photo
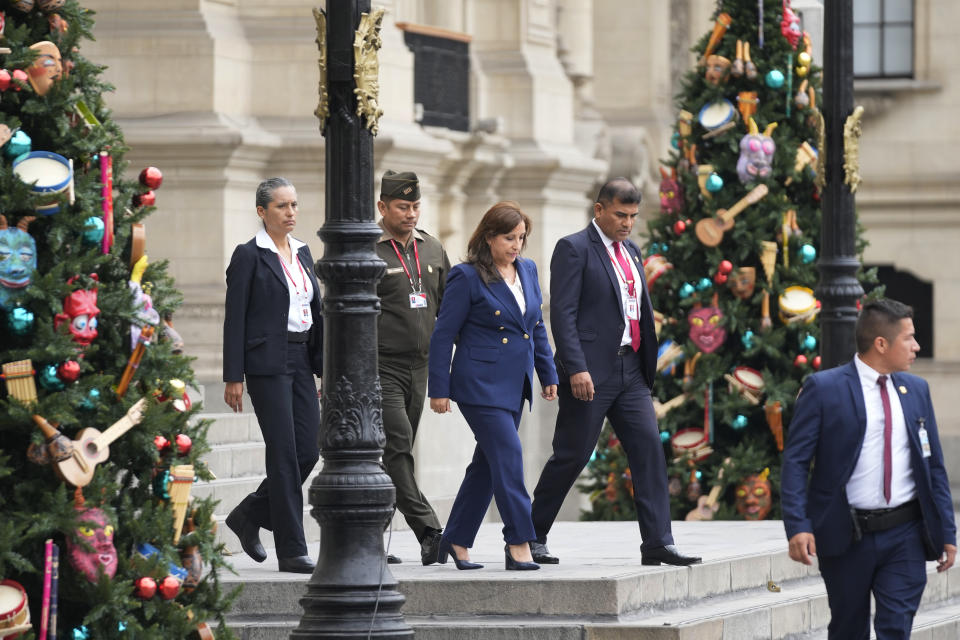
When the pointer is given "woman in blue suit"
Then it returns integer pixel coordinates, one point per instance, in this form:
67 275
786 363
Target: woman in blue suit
491 309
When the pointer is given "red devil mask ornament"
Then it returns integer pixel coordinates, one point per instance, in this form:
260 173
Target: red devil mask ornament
90 547
706 327
790 25
80 309
753 497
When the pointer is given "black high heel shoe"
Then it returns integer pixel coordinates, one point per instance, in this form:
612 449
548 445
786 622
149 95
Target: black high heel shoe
515 565
446 549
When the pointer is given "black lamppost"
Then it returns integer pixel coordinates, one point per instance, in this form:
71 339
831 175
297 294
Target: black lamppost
839 288
352 593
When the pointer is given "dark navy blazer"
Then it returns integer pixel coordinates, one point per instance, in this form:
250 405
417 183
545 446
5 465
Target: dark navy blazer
828 426
255 324
497 348
586 315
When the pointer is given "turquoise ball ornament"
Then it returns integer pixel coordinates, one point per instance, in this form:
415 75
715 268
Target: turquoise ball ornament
664 247
809 343
90 402
704 284
699 474
49 380
80 633
686 290
774 79
93 230
19 144
740 422
664 437
654 248
808 253
714 183
20 321
747 339
675 140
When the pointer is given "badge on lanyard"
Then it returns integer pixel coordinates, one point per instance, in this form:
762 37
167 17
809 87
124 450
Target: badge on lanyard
632 309
924 438
418 300
306 317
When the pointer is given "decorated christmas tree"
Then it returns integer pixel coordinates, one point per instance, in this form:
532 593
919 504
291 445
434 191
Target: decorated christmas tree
731 268
98 452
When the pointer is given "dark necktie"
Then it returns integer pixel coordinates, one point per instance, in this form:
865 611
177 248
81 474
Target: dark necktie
887 429
631 289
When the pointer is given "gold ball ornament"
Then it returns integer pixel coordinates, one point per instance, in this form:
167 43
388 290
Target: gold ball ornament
804 59
802 71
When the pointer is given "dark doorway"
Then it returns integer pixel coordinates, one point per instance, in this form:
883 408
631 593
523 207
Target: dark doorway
907 288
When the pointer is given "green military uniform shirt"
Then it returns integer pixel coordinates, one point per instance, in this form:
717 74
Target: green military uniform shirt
404 332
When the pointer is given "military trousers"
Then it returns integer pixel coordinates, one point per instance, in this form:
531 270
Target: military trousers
404 386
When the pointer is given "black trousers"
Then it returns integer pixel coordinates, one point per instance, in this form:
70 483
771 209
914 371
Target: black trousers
625 399
288 411
404 387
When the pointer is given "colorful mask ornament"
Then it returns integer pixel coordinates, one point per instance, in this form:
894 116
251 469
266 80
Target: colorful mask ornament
753 497
90 546
46 68
706 327
756 153
142 302
80 308
18 259
790 25
671 195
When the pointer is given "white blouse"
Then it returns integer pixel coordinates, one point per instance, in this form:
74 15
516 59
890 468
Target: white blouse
517 290
298 282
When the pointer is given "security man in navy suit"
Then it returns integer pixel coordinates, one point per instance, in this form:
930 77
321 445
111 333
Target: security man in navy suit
877 505
273 335
602 322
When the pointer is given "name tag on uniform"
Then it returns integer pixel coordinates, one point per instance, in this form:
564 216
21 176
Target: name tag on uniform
632 309
924 442
418 300
305 315
393 270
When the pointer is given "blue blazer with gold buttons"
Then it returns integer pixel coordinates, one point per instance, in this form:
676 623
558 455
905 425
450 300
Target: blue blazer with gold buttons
498 348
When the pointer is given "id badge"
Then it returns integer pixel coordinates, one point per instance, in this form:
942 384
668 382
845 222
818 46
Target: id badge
305 314
924 442
633 311
418 300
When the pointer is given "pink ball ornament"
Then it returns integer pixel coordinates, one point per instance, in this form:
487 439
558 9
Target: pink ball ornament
146 587
161 443
151 177
4 79
679 227
19 76
183 444
169 588
725 266
69 371
147 199
816 362
720 278
800 360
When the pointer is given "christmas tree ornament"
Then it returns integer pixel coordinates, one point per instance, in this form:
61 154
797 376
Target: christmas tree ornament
716 114
161 443
774 413
809 343
742 282
24 5
736 69
790 25
671 195
46 68
145 587
18 377
753 497
80 309
5 79
169 588
718 69
93 230
58 26
703 174
693 487
747 339
56 448
49 379
146 199
5 132
675 140
80 633
690 443
679 227
181 481
714 182
18 260
816 362
106 200
96 553
706 327
749 68
747 382
654 267
720 27
69 371
664 437
756 153
801 98
725 266
747 102
20 321
808 253
14 610
146 314
49 175
710 230
774 79
800 360
720 278
704 284
797 305
19 144
50 5
133 363
20 79
668 355
803 64
739 422
184 443
686 290
92 399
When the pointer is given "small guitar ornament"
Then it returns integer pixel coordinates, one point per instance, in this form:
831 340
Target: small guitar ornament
707 505
710 230
92 447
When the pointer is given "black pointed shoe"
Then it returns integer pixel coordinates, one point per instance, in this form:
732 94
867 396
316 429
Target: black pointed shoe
516 565
446 549
297 564
668 554
249 535
541 555
430 547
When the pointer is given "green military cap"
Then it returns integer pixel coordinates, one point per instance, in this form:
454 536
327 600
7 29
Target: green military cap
404 186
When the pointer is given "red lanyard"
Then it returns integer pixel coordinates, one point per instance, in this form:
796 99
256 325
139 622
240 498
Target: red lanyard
289 275
618 270
416 256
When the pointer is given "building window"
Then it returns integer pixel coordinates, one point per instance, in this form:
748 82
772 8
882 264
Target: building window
883 38
441 75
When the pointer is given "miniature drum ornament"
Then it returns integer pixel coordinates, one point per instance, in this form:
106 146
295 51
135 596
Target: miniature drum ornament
654 267
716 114
797 304
14 612
690 442
49 173
748 382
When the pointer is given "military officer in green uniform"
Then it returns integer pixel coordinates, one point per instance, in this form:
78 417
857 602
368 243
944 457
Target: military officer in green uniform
410 293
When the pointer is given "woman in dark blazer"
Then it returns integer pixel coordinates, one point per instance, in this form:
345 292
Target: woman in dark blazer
491 309
273 334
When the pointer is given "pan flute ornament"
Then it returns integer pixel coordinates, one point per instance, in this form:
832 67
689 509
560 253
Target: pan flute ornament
181 480
18 376
134 362
774 411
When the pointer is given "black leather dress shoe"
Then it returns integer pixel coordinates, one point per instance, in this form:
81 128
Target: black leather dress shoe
249 535
541 555
430 547
392 559
668 554
297 564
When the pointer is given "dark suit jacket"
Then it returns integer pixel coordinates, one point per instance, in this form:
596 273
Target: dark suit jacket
497 348
828 426
586 313
255 324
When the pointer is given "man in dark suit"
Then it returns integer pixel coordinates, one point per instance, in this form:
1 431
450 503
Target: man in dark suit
606 355
877 504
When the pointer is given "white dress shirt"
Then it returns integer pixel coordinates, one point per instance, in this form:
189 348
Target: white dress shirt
624 290
865 487
517 290
298 282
